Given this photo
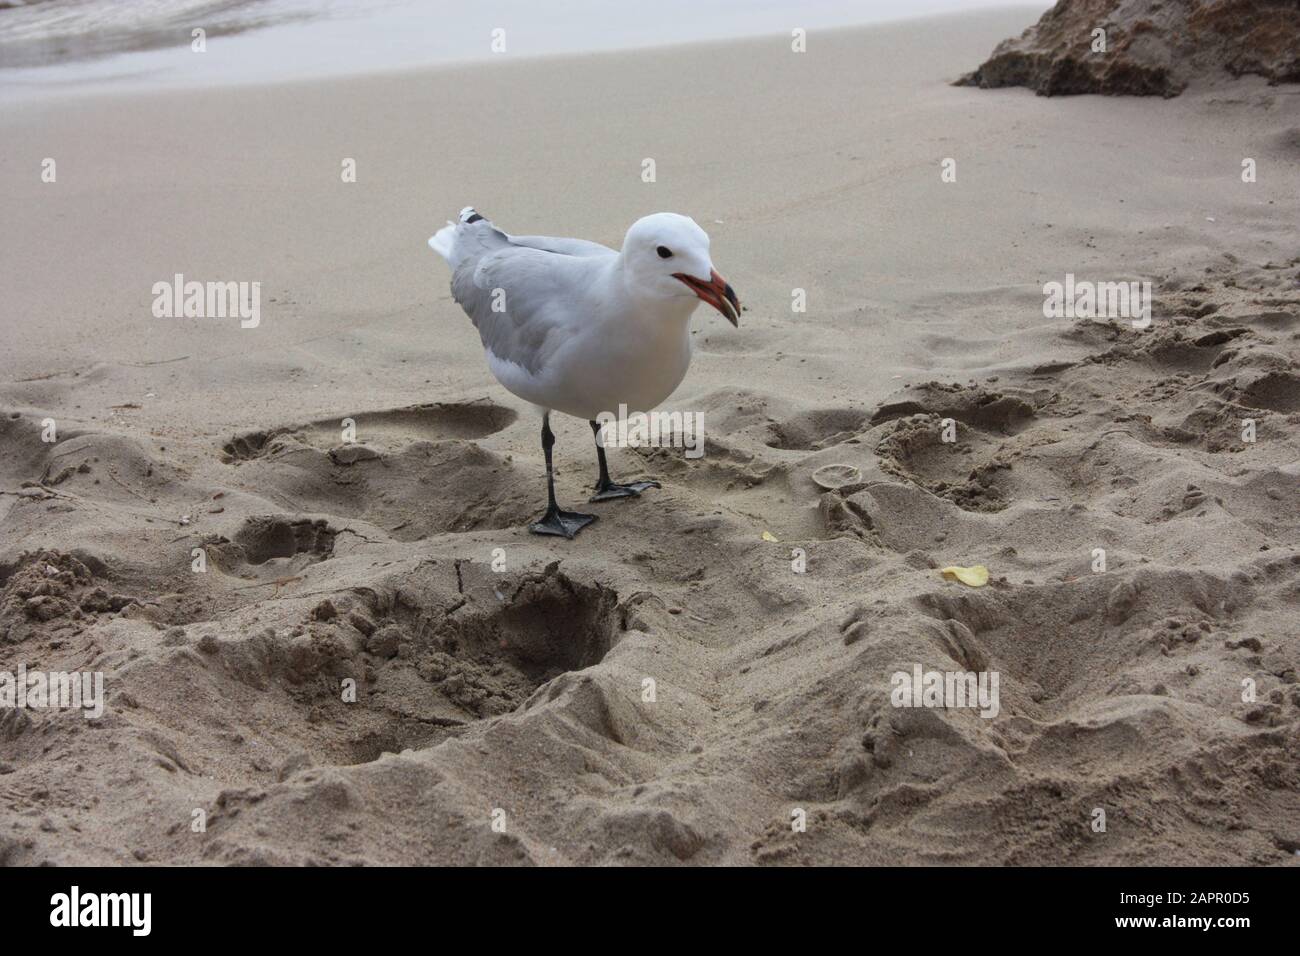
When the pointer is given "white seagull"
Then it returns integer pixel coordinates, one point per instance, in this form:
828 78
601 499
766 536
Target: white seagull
575 327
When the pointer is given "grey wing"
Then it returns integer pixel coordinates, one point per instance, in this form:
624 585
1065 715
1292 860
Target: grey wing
520 299
564 247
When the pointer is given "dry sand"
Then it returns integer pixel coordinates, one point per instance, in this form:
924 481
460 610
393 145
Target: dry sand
521 690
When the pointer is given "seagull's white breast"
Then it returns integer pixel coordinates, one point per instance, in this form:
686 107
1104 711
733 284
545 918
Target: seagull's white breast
636 360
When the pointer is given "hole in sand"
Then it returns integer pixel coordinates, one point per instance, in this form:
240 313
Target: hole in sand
435 422
1276 391
263 539
549 625
387 430
816 429
426 664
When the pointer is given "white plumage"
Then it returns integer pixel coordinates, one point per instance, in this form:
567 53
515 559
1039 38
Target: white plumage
574 326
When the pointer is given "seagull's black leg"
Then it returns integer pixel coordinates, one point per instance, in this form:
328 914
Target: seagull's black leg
555 521
606 489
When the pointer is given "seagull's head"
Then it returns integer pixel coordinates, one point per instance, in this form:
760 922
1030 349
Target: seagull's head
667 257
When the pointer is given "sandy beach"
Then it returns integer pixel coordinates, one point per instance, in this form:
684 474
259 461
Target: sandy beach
669 687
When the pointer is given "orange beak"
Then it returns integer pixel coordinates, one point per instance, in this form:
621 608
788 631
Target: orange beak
717 292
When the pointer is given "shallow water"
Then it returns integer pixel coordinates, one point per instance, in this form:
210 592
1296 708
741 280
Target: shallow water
61 45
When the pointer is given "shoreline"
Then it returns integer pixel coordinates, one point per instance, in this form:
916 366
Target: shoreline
161 63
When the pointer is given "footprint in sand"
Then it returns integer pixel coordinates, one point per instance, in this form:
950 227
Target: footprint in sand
950 440
274 546
411 472
816 429
386 430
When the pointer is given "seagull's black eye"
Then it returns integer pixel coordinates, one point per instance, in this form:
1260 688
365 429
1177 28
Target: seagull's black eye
664 252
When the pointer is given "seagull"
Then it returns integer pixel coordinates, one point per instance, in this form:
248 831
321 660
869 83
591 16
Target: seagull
575 327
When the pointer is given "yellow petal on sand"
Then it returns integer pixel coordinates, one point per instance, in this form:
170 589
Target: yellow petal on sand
769 536
976 576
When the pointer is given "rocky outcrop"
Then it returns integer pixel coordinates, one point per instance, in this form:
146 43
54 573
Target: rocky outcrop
1146 47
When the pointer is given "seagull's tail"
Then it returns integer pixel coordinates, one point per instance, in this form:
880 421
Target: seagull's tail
443 241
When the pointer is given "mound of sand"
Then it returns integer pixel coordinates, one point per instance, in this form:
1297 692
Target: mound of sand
1151 47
